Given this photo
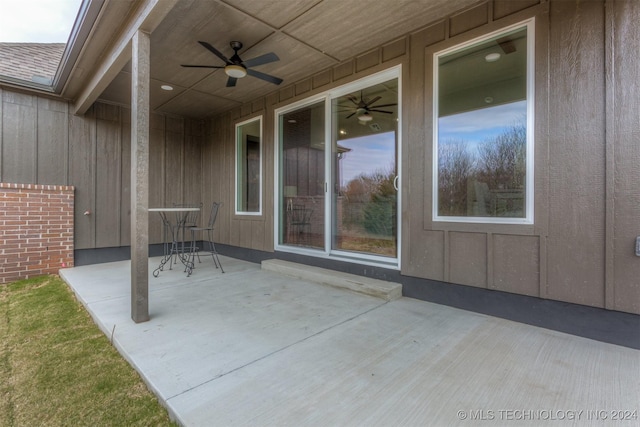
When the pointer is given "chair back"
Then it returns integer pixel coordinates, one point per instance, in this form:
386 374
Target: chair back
300 215
215 206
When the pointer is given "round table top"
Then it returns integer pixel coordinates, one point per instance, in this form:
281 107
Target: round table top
173 209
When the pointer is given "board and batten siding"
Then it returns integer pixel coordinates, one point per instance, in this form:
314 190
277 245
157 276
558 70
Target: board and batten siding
623 154
42 142
580 247
587 194
564 256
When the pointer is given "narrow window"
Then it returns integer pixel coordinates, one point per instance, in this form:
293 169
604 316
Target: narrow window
249 167
483 140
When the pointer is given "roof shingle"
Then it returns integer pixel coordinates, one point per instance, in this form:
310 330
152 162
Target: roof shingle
33 62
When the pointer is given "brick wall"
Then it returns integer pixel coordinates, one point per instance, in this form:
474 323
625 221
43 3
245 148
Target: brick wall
36 230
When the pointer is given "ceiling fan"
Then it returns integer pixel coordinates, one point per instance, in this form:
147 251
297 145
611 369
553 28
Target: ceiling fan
236 68
363 107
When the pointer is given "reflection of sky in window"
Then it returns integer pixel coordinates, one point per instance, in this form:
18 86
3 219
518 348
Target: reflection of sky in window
368 154
477 126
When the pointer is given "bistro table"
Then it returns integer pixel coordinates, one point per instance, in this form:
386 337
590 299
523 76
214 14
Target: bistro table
172 225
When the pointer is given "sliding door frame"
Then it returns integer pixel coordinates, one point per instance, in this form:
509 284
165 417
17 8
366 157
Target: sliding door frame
327 97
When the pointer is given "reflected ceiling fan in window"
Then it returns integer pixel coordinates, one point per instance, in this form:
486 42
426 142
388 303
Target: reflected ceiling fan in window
363 107
236 68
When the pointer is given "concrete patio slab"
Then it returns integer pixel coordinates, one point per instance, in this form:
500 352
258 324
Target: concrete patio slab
253 348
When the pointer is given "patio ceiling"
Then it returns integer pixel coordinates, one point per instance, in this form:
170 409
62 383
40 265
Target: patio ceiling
307 35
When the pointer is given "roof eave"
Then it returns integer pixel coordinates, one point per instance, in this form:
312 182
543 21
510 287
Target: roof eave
87 15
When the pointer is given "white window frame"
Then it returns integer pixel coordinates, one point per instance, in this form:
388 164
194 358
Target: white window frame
237 176
529 188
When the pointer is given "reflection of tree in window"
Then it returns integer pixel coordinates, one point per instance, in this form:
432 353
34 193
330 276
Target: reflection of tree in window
487 181
482 128
252 179
456 165
374 195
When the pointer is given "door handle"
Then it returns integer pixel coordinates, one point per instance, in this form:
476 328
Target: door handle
395 183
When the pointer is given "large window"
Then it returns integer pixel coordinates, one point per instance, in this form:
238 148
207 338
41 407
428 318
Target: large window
249 167
483 164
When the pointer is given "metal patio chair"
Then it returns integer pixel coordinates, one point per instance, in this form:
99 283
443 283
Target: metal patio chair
207 238
185 223
300 223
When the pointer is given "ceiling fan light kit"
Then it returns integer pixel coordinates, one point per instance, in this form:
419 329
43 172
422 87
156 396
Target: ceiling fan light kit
363 107
235 71
366 117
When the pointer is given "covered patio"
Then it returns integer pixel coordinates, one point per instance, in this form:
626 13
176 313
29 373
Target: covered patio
253 347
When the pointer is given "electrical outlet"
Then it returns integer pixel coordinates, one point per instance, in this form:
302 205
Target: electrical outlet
638 246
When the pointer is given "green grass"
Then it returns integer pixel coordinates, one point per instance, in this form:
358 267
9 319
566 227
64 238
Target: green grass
58 369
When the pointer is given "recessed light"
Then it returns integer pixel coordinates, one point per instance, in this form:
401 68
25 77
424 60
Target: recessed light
488 100
492 57
166 87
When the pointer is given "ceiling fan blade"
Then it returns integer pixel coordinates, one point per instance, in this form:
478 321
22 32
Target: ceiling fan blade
200 66
231 81
353 99
382 111
265 77
261 60
377 98
383 105
215 51
350 115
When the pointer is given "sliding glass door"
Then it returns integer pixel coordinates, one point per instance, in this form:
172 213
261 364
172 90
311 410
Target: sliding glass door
338 173
365 140
302 177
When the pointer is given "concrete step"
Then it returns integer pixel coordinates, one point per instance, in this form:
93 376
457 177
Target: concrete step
374 287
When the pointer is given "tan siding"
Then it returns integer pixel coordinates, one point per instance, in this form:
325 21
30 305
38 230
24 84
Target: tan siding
502 8
47 145
516 261
576 164
53 140
425 256
156 174
173 161
394 50
468 259
19 138
192 163
341 71
626 142
321 79
469 19
422 251
367 61
125 178
562 256
108 176
82 167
